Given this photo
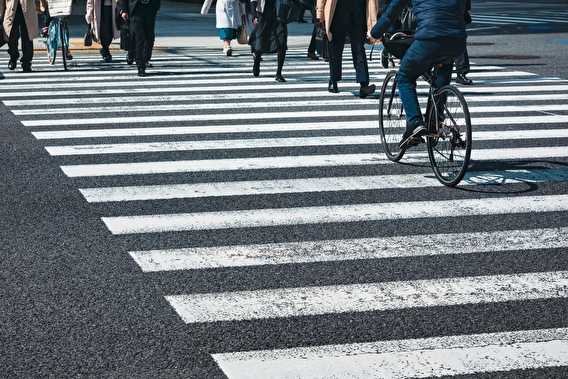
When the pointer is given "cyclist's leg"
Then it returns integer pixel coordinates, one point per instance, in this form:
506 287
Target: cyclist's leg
453 47
415 62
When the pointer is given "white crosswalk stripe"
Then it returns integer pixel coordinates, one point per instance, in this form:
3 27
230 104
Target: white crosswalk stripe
199 148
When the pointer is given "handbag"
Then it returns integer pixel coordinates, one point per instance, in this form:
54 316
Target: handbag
242 35
118 20
287 11
325 48
125 40
320 30
88 39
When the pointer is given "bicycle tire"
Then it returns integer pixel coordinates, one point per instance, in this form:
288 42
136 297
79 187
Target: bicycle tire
450 152
392 120
51 42
64 43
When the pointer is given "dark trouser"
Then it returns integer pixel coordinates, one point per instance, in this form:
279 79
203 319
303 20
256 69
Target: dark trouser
417 60
19 27
142 23
462 63
357 37
105 29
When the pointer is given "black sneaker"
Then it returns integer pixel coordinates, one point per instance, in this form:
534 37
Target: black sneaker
462 79
412 137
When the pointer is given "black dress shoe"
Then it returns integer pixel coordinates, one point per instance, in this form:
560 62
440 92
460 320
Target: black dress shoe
149 65
462 79
366 89
333 87
129 60
280 78
141 71
12 64
27 68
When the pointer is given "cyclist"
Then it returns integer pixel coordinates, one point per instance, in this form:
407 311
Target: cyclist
440 31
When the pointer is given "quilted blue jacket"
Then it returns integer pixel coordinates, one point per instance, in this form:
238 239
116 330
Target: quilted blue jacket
435 18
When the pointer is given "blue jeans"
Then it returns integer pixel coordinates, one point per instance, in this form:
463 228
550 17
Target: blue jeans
417 60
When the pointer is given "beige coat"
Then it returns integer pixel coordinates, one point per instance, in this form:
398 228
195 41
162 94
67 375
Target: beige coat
8 12
93 17
325 9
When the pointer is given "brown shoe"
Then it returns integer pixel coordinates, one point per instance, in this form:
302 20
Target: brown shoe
313 56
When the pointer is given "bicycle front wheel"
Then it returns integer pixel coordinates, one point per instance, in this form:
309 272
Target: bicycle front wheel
450 150
392 121
51 42
64 44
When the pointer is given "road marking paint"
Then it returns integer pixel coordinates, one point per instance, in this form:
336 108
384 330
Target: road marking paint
343 102
253 218
58 102
211 145
197 258
229 144
144 168
209 129
370 112
401 359
312 301
72 82
311 185
245 89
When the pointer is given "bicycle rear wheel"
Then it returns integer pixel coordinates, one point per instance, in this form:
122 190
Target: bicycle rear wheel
450 151
64 44
51 42
392 121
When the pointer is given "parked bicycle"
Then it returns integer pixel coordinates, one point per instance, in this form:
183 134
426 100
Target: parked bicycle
447 118
58 30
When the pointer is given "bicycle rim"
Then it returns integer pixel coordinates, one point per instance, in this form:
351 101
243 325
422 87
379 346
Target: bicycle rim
63 45
392 120
51 43
450 152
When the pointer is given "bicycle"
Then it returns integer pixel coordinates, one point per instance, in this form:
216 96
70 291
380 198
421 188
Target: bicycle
447 118
58 30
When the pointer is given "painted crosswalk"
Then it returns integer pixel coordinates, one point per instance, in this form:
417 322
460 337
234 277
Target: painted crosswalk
199 167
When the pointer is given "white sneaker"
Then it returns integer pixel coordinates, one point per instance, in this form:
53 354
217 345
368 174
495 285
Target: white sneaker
228 51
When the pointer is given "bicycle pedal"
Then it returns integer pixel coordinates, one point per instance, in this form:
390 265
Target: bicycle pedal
415 141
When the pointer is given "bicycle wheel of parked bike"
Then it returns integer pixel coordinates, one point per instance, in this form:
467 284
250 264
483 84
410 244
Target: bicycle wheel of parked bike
450 152
64 43
51 43
392 121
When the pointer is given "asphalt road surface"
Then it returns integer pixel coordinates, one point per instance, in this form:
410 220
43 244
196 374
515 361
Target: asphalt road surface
202 223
